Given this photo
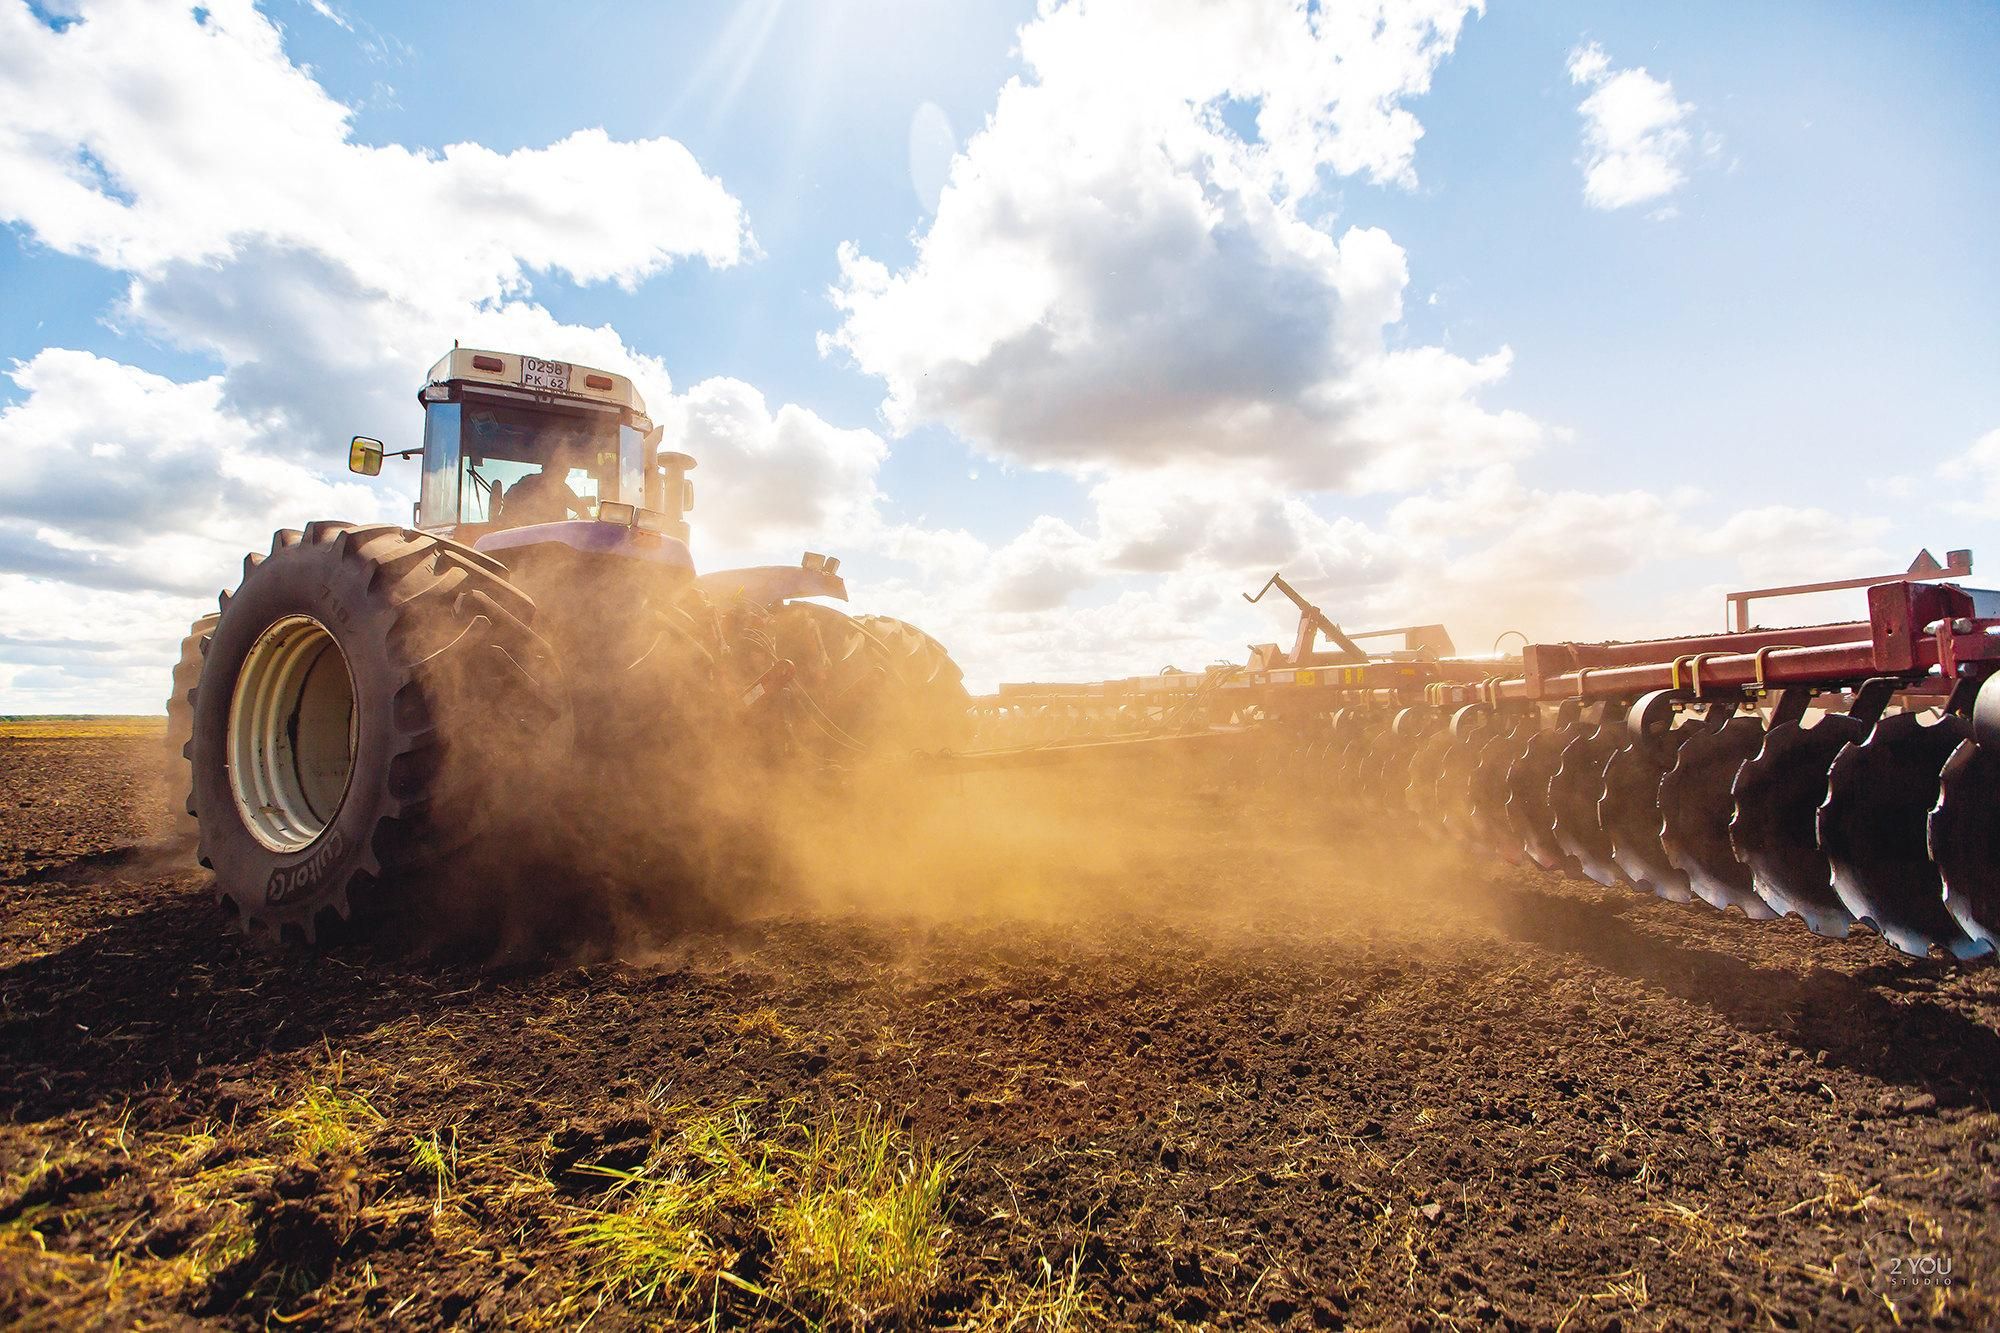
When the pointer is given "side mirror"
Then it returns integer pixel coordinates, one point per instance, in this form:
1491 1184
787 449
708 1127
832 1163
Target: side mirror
365 456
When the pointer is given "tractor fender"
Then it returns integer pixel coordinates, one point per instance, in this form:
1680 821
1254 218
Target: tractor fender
767 585
589 537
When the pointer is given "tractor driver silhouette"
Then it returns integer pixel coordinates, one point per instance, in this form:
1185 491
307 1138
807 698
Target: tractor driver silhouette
545 496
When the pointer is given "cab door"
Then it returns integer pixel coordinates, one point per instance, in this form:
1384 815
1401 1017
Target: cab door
438 506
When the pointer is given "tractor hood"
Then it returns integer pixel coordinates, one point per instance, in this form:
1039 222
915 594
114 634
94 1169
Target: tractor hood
590 537
767 585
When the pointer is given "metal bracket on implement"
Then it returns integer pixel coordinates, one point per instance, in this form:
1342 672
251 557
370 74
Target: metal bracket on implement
1957 565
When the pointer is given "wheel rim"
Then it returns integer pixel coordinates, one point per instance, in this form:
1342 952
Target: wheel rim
291 734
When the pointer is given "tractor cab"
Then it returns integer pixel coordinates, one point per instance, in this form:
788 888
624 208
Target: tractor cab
550 466
516 442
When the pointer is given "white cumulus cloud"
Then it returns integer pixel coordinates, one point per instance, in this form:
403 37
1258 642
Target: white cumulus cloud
1978 467
1635 132
125 478
144 134
1123 270
769 481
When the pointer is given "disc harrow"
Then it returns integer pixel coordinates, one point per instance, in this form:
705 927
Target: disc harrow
1836 773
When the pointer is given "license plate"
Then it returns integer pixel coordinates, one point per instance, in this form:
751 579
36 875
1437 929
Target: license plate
550 375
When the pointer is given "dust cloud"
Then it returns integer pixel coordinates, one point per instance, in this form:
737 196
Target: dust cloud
609 784
625 858
1229 845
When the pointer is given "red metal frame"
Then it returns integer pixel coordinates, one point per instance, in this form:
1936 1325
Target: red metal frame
1925 635
1313 622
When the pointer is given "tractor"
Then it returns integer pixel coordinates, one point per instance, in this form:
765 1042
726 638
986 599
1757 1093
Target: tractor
372 698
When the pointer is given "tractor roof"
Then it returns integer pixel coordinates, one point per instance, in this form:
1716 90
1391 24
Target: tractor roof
471 365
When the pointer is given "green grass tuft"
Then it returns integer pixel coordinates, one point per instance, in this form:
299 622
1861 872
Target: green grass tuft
327 1119
844 1215
650 1246
1055 1303
434 1156
862 1228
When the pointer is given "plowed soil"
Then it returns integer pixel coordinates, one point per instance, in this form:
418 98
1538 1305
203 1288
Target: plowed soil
1270 1063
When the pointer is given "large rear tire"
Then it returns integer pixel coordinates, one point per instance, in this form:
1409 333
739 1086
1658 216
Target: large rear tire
932 709
873 685
362 692
178 774
843 678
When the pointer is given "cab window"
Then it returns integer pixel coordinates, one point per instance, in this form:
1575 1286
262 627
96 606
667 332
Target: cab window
501 447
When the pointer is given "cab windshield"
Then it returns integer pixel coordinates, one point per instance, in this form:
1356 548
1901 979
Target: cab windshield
502 448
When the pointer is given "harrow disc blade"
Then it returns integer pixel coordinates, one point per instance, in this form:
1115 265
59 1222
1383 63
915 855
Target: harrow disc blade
1385 773
1965 840
1300 756
1695 805
1426 770
1630 811
1574 796
1329 756
1454 789
1528 799
1317 744
1383 747
1487 815
1353 731
1775 827
1872 826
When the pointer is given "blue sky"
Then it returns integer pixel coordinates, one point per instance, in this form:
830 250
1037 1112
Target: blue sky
1782 365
